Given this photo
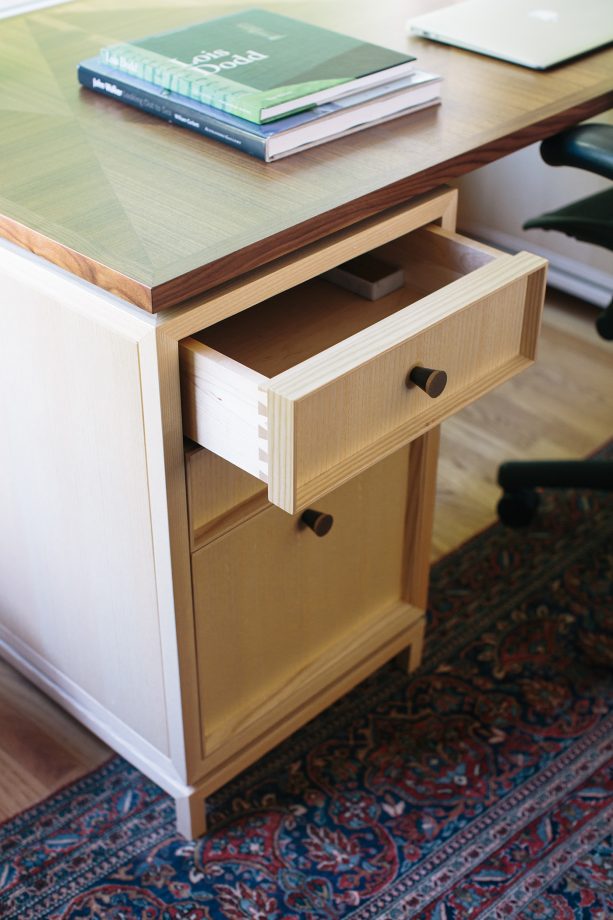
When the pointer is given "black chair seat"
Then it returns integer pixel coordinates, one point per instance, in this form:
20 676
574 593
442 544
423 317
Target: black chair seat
587 147
589 220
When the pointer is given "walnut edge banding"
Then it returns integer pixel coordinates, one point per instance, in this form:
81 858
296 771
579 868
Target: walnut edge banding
84 267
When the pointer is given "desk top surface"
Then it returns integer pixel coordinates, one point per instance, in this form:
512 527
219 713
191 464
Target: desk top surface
157 214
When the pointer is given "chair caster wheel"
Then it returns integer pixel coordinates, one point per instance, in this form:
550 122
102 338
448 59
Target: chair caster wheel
518 508
604 324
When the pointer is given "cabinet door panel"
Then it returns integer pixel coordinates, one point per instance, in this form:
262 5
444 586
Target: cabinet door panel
281 612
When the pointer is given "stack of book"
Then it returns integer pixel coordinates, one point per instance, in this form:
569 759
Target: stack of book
263 83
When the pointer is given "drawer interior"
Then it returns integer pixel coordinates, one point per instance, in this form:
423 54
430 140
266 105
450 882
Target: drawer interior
286 330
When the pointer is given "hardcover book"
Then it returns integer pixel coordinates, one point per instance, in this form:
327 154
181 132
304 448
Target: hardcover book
256 64
278 138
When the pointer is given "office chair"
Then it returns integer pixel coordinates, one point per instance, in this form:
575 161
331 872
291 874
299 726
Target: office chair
591 221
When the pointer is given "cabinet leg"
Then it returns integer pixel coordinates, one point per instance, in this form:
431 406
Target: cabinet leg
423 458
410 657
191 815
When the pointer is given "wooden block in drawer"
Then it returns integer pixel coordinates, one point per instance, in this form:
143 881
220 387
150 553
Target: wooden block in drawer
309 388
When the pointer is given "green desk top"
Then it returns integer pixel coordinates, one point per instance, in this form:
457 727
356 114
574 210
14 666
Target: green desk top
157 214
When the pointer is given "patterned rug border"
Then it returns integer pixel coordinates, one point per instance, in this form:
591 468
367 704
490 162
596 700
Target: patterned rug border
428 873
553 866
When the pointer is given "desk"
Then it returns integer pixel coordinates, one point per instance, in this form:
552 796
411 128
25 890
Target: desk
146 583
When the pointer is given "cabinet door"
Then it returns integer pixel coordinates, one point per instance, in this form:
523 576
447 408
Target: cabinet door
282 614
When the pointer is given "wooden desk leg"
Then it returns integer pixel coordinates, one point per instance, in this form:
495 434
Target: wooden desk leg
423 459
191 815
410 657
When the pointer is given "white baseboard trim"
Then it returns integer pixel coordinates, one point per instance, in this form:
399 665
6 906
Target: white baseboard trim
566 274
584 288
86 710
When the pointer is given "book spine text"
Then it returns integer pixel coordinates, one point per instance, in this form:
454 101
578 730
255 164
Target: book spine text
170 110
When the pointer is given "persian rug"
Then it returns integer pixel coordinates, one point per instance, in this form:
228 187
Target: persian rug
481 786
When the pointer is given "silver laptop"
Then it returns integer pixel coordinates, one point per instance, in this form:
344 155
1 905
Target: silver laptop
534 33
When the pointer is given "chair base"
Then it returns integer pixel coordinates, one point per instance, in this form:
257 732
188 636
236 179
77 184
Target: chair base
604 323
519 479
518 509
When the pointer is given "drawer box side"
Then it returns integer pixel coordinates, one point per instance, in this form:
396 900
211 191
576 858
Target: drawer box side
535 299
224 407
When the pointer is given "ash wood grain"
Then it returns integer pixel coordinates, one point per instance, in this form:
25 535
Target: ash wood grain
472 330
303 321
419 521
403 629
157 214
264 628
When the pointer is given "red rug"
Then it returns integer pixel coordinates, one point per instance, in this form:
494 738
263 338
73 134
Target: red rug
480 787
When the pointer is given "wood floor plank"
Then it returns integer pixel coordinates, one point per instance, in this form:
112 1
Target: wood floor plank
18 790
41 747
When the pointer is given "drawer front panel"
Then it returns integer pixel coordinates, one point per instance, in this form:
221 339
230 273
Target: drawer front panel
278 608
321 436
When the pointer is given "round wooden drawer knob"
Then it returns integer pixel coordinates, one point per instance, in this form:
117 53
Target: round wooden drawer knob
431 381
319 522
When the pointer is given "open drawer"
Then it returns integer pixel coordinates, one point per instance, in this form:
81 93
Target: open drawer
310 387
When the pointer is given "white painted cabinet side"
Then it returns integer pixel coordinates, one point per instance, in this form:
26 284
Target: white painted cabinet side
77 576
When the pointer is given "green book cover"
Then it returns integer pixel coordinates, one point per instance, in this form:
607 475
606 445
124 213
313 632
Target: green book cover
257 65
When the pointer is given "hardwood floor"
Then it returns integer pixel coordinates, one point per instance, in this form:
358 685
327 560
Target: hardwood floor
41 747
561 407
